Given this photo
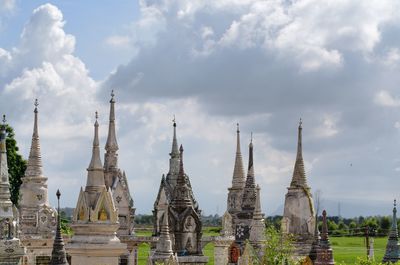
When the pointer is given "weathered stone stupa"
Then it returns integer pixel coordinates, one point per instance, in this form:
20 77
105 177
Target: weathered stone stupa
95 218
58 255
248 204
324 250
298 216
235 193
37 217
167 186
116 180
257 226
392 253
11 251
163 253
184 221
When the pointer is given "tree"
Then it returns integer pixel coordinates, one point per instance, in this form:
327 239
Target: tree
278 248
16 165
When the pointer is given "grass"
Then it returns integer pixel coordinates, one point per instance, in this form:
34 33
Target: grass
346 250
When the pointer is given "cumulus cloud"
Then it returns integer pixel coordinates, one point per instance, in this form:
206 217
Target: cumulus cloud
214 63
384 98
43 66
326 62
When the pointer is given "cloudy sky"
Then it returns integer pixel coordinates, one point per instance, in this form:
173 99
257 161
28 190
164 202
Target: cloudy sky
212 63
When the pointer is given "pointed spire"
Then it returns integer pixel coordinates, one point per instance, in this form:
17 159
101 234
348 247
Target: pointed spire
111 144
95 169
392 253
250 167
181 196
238 180
174 151
324 250
249 192
3 136
299 175
164 244
257 211
181 176
394 220
324 231
58 255
34 166
257 230
174 158
4 176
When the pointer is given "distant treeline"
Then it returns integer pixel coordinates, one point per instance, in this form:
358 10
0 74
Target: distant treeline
357 226
337 226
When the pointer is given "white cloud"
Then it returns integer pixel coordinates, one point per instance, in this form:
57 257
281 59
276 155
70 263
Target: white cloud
327 127
7 5
384 98
43 66
118 41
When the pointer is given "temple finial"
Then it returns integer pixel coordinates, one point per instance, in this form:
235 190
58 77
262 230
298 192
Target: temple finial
174 121
96 115
238 179
394 203
251 137
36 104
299 175
4 119
58 194
112 93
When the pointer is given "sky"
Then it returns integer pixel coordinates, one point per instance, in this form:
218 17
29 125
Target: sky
212 63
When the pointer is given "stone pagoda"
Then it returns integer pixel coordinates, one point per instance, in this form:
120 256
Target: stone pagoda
11 251
163 253
248 204
95 218
58 255
324 250
257 226
167 186
235 193
37 217
392 253
184 221
116 180
299 215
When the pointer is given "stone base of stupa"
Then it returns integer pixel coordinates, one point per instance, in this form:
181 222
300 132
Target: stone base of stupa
38 250
169 259
11 252
302 247
96 254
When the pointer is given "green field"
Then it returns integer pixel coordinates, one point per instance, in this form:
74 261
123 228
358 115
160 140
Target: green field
346 249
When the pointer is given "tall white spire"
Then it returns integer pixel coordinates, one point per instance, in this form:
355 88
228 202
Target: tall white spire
238 180
299 174
164 244
95 176
34 167
249 191
4 176
111 157
174 159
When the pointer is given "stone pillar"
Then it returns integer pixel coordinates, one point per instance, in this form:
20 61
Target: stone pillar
132 258
221 249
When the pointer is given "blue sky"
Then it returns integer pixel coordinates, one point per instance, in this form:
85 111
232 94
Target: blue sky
212 63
